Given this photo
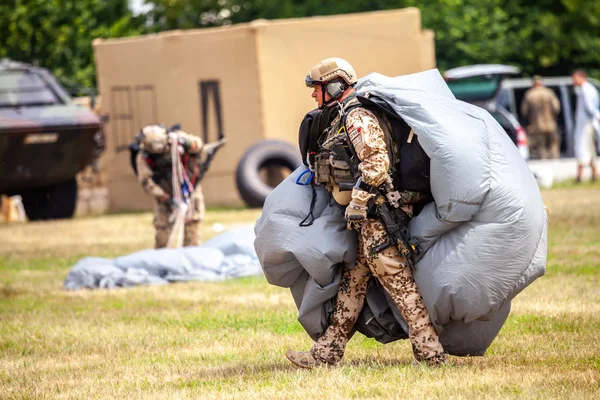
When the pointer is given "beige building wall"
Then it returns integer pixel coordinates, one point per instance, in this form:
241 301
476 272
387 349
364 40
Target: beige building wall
122 67
259 67
427 49
388 42
157 79
228 57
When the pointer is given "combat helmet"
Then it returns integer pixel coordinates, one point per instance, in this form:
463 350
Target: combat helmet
154 139
334 74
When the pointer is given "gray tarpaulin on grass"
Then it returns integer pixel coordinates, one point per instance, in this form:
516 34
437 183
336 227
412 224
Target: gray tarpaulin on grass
485 235
229 255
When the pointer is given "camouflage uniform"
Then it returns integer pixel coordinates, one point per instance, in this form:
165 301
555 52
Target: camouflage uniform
541 106
163 210
388 266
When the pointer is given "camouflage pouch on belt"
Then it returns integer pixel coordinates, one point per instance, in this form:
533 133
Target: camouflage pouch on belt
341 171
412 197
323 173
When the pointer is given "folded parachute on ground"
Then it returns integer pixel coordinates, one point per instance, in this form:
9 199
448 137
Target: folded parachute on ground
485 236
226 256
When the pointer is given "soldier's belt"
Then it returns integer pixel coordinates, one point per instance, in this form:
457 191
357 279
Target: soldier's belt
398 198
323 168
331 170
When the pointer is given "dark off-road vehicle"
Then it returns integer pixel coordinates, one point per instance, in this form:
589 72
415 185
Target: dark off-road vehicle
45 140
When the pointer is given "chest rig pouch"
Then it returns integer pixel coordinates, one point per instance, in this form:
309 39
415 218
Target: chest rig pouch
162 168
332 161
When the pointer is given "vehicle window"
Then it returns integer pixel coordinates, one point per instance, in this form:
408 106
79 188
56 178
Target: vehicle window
503 99
519 94
561 119
572 98
502 121
510 127
25 88
476 88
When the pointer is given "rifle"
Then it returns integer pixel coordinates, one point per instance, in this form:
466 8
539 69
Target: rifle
395 221
386 203
209 150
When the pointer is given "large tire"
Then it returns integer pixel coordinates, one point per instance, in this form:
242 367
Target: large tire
264 154
54 202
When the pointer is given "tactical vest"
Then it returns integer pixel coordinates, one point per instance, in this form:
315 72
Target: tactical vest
330 168
409 164
162 168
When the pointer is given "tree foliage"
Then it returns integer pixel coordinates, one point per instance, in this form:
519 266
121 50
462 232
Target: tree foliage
57 34
548 37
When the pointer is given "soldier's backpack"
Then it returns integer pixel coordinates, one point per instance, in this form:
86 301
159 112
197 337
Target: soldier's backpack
209 150
410 163
135 147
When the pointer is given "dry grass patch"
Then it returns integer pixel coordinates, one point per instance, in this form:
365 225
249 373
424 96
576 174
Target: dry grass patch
105 235
226 340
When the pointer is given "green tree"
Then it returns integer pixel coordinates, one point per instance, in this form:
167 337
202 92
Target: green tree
547 37
550 37
57 34
184 14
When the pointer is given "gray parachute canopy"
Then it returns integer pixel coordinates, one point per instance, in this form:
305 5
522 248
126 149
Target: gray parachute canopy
484 236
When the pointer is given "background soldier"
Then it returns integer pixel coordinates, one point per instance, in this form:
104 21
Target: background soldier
541 106
154 168
587 123
332 80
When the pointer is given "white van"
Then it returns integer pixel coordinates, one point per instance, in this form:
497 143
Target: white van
497 87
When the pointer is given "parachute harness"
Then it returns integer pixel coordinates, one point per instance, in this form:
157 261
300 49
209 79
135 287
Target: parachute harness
183 195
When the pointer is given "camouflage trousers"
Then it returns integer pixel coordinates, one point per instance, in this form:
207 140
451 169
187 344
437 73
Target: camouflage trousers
163 228
543 145
396 277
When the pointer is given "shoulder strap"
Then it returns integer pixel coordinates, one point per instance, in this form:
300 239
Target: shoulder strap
149 161
304 134
370 101
381 115
319 123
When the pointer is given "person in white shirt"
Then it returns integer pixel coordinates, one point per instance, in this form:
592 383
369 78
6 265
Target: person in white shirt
587 123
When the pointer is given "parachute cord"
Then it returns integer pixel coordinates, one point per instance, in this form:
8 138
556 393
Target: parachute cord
313 201
181 206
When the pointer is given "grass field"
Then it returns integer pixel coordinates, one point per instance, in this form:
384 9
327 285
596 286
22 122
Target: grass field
226 340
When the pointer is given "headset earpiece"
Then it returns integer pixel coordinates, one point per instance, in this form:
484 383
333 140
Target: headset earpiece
336 89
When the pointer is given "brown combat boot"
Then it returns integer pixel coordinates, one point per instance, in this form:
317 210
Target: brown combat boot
302 359
436 361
